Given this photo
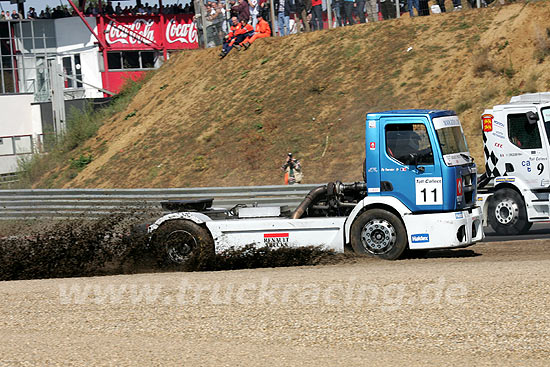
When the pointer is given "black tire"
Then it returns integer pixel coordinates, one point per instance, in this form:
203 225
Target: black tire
507 214
177 241
379 233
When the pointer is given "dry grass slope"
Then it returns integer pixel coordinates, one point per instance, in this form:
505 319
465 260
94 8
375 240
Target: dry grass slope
204 122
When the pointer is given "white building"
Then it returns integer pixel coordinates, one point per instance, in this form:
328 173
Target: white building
89 62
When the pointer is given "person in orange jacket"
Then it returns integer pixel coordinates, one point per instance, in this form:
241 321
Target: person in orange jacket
229 39
245 31
262 30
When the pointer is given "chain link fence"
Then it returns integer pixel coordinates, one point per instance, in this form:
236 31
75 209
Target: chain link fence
216 29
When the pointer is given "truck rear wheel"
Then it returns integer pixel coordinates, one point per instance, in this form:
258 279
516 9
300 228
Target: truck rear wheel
379 233
507 214
177 241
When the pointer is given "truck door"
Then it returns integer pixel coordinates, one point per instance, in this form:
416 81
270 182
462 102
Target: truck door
408 170
527 158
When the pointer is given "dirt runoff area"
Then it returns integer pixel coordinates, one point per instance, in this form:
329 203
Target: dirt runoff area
487 305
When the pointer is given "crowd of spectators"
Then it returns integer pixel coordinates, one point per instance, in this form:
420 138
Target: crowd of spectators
293 16
140 9
223 19
305 14
93 10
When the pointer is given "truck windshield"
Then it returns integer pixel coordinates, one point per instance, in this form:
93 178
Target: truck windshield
452 141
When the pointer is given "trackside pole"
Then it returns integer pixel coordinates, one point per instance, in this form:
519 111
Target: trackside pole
272 14
397 9
57 96
163 27
329 14
199 9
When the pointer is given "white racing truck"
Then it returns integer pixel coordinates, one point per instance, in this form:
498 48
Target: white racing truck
418 193
514 192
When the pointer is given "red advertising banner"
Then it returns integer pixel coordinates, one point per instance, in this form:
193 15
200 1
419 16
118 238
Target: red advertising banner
146 32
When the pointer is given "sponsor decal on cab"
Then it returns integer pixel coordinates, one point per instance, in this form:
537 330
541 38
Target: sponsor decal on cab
420 238
498 123
487 120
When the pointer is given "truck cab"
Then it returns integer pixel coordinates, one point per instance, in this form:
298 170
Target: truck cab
421 158
517 177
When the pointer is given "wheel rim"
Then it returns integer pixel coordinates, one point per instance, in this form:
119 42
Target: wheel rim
378 236
179 245
507 212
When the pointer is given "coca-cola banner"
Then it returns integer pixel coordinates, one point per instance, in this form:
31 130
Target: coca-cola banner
132 32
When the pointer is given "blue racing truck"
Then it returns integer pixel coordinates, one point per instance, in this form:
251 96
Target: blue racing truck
418 193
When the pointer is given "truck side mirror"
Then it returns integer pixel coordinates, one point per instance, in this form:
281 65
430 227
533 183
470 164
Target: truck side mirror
532 117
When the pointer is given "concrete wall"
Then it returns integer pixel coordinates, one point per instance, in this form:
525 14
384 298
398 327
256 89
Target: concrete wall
20 129
90 73
16 115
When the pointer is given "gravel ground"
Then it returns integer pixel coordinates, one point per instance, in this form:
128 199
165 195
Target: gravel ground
488 305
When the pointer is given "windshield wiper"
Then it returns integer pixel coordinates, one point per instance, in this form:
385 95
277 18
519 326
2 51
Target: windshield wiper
468 157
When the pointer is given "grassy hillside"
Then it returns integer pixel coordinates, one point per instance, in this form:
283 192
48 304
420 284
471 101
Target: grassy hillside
200 121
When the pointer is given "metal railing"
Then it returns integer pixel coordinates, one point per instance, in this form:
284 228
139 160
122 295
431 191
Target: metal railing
94 203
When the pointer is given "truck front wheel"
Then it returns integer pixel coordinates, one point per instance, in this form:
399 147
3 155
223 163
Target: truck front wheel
507 214
177 241
379 233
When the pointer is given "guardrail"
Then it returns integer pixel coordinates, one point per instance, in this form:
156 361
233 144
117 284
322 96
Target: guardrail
93 203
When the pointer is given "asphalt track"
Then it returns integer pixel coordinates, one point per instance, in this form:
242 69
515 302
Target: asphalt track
537 231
